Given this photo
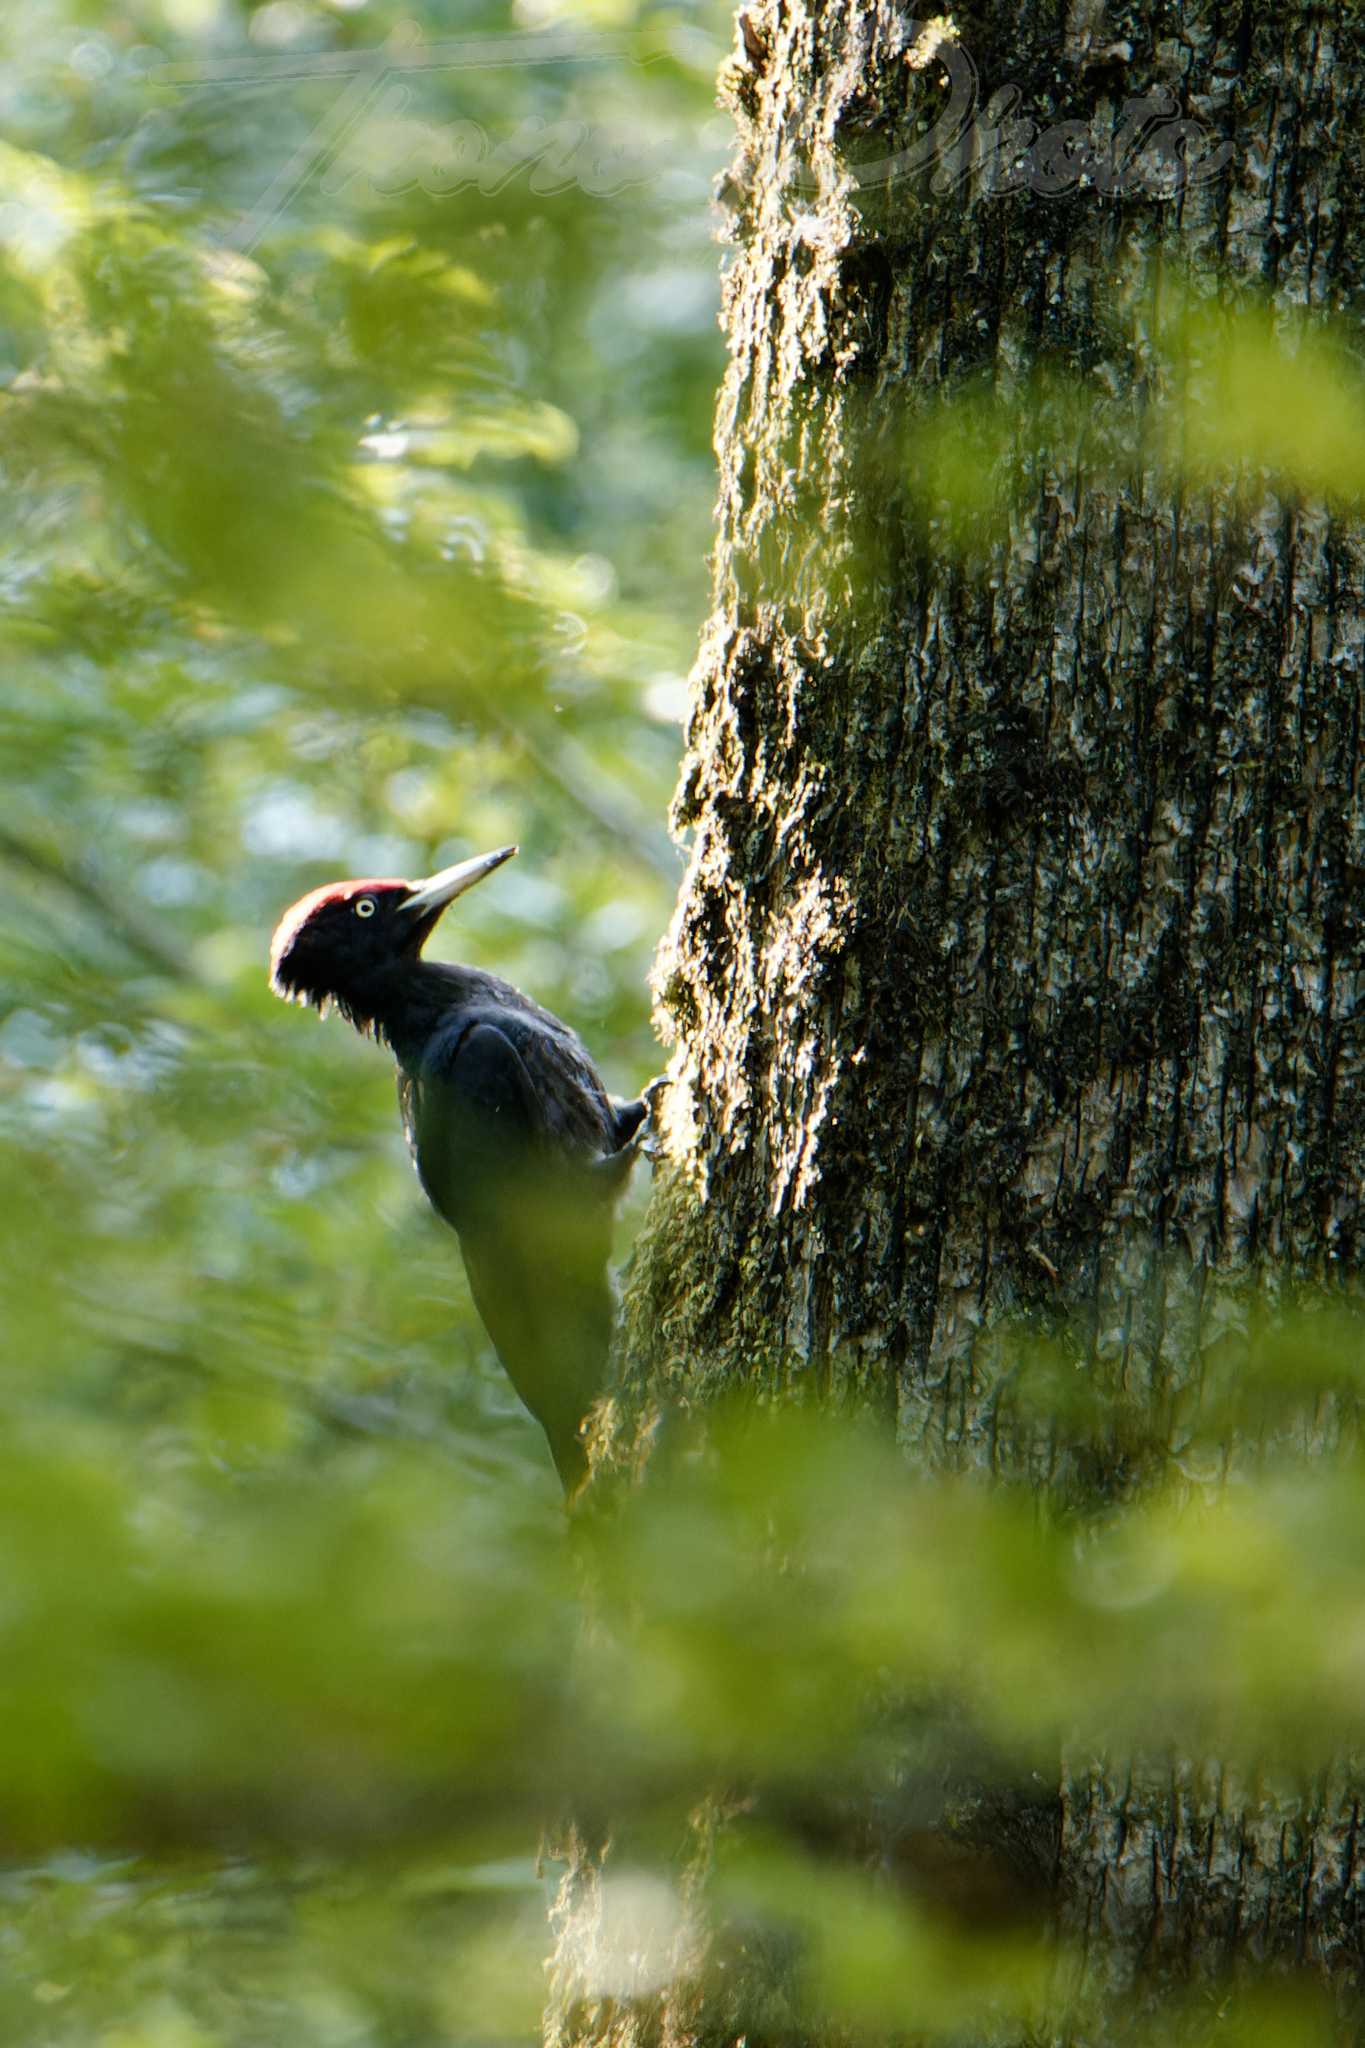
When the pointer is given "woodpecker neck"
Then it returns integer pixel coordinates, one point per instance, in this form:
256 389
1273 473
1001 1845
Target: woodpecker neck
399 999
411 1000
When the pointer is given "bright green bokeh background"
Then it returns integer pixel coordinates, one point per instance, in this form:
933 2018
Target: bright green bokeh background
356 518
380 544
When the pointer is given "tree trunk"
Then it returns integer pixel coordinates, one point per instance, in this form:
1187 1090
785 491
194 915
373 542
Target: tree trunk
1015 968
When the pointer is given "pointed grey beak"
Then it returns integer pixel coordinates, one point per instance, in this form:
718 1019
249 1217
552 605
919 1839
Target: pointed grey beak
438 890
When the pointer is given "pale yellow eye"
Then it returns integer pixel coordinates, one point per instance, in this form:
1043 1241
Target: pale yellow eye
365 907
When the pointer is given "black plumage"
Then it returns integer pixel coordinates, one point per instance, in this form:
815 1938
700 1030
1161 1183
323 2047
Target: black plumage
515 1139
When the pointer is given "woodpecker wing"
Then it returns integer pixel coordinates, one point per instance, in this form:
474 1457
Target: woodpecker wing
507 1124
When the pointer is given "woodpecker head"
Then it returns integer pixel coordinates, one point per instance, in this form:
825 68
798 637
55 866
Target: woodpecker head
338 944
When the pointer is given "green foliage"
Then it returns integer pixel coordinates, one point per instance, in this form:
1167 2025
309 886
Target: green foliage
349 532
328 1703
315 566
354 522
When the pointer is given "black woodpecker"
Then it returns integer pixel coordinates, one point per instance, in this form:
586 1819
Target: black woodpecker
515 1140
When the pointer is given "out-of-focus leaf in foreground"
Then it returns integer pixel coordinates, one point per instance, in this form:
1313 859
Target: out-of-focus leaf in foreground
377 1659
1238 395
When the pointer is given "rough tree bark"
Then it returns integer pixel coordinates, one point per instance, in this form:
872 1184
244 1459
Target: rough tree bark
1017 962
